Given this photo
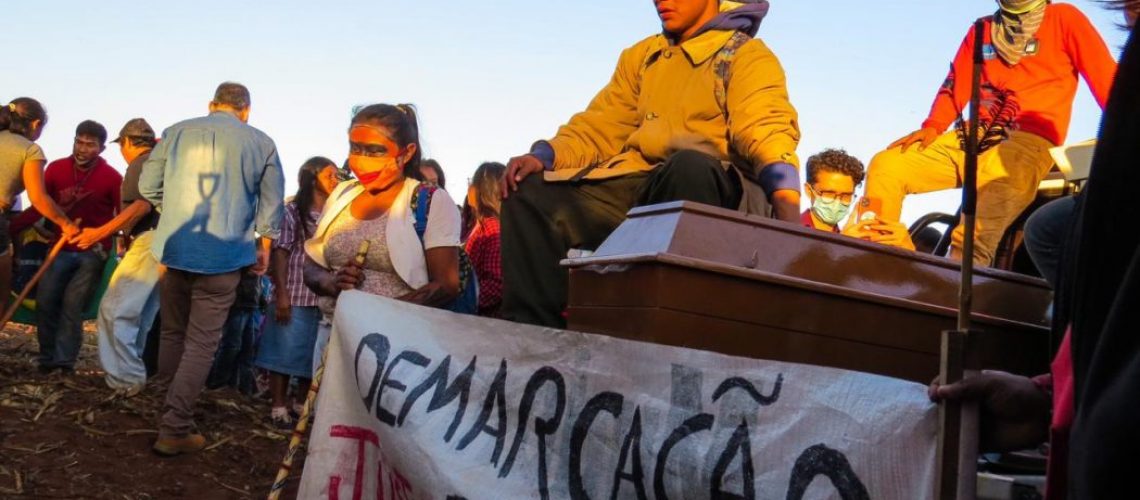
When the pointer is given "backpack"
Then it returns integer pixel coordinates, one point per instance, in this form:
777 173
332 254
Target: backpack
722 66
468 300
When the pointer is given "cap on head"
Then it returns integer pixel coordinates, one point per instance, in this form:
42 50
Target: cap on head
135 130
233 95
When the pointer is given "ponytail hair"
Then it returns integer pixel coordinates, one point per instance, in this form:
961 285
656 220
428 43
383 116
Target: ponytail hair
17 116
400 121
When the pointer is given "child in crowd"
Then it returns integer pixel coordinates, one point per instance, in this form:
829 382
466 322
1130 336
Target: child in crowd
484 197
233 362
286 348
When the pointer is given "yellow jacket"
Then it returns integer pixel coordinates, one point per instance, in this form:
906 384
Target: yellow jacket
662 99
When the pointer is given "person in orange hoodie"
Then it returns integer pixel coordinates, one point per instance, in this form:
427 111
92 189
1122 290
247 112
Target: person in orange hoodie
1033 52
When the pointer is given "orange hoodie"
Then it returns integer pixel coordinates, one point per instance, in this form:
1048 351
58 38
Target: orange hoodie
1044 82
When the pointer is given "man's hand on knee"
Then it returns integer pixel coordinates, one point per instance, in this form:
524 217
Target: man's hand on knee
518 169
925 137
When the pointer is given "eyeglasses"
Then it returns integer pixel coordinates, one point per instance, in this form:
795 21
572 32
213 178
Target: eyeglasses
830 196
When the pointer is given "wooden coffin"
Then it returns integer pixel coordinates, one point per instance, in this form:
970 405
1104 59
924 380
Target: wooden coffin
696 276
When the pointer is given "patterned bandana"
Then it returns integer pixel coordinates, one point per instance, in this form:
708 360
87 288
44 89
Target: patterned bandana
1015 23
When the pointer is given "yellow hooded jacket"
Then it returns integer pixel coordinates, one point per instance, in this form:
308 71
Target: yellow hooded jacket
662 99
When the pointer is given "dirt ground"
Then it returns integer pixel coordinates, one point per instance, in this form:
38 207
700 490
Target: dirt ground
69 436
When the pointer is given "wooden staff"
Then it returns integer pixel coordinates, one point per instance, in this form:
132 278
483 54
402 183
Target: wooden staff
307 409
35 279
958 422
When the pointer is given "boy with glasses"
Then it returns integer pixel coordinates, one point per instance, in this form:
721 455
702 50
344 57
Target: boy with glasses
832 176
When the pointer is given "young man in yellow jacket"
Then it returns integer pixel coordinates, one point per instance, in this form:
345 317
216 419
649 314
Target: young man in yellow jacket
698 113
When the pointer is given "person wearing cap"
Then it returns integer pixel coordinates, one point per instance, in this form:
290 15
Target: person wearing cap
219 185
130 303
86 187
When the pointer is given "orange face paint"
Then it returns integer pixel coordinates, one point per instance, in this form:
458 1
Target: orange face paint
373 157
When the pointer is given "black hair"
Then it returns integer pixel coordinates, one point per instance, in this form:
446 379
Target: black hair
488 196
91 128
17 117
835 160
400 121
434 165
232 94
306 189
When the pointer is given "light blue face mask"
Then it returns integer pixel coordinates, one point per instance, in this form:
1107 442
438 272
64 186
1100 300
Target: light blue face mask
830 212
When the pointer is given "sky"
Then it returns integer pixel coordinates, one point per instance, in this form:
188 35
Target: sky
489 78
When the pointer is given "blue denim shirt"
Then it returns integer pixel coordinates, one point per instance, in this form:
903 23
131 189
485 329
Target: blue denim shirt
216 181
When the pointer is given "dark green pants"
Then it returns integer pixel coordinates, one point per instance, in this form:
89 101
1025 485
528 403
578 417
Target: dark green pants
542 221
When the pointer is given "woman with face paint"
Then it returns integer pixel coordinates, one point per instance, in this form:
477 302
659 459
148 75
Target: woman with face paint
380 207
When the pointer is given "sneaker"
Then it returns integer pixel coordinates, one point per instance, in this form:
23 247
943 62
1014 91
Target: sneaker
172 446
280 418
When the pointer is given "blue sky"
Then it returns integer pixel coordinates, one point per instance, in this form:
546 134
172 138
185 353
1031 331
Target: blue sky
489 78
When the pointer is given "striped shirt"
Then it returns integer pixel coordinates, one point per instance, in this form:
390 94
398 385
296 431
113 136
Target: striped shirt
293 241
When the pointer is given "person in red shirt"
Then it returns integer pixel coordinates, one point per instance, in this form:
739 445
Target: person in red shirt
87 189
484 196
1033 51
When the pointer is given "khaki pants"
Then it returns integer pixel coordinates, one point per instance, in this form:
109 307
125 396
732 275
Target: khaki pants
194 309
1008 175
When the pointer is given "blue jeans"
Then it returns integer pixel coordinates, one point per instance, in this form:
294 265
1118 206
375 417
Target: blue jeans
1045 234
233 363
62 295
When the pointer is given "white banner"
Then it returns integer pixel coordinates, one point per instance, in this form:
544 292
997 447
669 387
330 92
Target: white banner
423 403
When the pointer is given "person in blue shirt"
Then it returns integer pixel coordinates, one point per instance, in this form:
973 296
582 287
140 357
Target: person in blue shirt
219 185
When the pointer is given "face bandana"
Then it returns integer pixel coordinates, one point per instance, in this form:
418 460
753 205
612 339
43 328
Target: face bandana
1015 24
830 212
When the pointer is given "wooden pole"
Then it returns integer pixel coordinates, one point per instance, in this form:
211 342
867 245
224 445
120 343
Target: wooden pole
307 409
32 282
958 422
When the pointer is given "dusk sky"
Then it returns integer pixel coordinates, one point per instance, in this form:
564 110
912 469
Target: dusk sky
489 78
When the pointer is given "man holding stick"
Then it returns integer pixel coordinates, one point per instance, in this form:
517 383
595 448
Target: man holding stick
86 188
1033 51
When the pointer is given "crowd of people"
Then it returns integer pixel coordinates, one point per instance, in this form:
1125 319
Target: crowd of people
699 113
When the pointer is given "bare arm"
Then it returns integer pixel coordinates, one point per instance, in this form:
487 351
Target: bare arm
786 205
279 275
320 280
124 221
443 276
37 192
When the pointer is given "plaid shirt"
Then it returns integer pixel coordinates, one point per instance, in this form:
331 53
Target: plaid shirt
294 242
483 250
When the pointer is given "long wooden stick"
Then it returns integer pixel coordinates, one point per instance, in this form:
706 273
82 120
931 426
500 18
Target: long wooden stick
32 282
958 433
298 431
307 409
